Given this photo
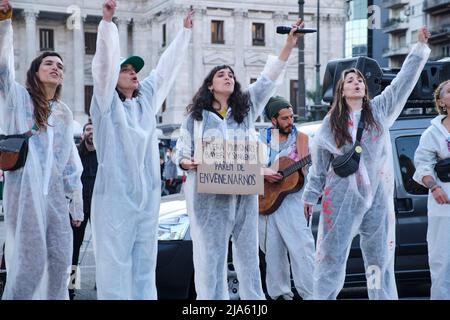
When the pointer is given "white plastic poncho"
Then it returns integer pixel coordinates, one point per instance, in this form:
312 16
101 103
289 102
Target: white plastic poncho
216 217
38 233
363 202
284 233
125 202
433 146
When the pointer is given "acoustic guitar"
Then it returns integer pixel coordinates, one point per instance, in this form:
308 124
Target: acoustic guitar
293 180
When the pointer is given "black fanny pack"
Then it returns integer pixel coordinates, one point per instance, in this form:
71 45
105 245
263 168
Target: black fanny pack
348 163
442 169
13 151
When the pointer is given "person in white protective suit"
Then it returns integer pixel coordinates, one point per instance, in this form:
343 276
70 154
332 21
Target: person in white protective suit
126 197
361 203
434 145
226 113
285 231
38 196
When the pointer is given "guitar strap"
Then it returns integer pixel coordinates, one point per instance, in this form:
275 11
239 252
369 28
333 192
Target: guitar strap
302 145
268 139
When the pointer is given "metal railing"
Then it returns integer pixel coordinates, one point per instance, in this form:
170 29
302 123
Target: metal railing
394 22
402 50
394 3
431 4
441 30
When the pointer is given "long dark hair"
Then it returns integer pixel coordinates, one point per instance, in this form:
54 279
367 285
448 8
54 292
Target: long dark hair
339 113
203 99
37 92
136 93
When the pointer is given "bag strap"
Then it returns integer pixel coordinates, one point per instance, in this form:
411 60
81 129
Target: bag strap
27 134
30 132
360 128
198 130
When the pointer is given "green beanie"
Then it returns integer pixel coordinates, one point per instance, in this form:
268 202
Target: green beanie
274 105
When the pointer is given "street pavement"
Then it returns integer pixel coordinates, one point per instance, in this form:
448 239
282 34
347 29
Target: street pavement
87 269
87 265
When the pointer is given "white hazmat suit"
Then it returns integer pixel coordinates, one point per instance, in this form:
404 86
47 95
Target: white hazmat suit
433 146
286 231
125 202
361 203
38 233
216 217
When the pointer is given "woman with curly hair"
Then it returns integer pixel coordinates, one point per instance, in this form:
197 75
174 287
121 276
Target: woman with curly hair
223 110
434 146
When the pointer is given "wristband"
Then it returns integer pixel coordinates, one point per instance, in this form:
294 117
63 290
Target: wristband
431 184
434 187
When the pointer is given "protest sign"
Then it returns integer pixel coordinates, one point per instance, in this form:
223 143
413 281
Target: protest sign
230 168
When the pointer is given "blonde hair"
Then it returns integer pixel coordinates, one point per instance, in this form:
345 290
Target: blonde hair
437 97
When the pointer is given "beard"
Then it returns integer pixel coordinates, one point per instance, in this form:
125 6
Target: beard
89 141
285 131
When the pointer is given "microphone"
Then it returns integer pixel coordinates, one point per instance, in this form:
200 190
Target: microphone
286 30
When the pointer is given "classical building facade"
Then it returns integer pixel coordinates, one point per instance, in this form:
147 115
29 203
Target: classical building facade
238 33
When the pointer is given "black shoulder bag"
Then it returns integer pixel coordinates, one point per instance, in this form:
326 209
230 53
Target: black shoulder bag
14 150
348 163
442 169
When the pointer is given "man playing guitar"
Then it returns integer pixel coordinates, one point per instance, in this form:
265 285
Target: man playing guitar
285 231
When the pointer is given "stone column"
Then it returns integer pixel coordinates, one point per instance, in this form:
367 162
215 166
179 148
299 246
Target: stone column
154 40
239 45
279 19
78 70
196 52
141 43
178 97
122 24
30 26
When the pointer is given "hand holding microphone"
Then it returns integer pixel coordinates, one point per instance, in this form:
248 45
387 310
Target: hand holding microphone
294 33
286 30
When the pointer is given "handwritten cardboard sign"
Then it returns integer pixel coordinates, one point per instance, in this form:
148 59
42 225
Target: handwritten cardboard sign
230 168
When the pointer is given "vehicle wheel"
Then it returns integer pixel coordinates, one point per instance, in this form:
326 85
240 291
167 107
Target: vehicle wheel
2 282
192 295
233 282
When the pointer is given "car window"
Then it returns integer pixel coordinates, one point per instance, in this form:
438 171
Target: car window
406 147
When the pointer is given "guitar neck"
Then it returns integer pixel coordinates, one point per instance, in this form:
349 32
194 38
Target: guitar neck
296 166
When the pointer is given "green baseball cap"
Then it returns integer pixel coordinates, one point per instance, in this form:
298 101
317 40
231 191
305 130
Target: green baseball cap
136 61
